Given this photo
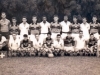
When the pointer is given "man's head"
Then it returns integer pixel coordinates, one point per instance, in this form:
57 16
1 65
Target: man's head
84 19
14 36
25 36
58 36
80 34
34 18
91 36
49 35
3 15
44 18
94 19
14 20
37 36
24 19
66 18
75 19
56 18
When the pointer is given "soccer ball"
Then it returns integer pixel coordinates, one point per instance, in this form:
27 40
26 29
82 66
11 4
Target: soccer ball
50 55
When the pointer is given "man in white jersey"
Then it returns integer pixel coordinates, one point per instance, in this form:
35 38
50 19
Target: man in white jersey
23 27
38 44
80 43
85 27
45 28
58 46
14 45
65 26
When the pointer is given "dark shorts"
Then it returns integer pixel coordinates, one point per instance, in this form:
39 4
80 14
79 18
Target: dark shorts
5 34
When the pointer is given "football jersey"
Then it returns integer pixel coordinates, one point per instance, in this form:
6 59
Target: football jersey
14 29
65 26
94 28
58 43
34 28
69 41
75 28
48 42
38 42
24 28
44 27
4 25
55 28
25 43
92 42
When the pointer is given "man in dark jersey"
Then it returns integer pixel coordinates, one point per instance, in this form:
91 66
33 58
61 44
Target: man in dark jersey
4 25
92 44
94 27
55 27
48 45
25 45
34 27
75 27
69 44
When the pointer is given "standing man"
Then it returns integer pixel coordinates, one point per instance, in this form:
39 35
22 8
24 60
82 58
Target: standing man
23 27
65 26
4 25
94 27
45 28
55 27
85 27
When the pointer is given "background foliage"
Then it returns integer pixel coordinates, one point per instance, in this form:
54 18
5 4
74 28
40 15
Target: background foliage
28 8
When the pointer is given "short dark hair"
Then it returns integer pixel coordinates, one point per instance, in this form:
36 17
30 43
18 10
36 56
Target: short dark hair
24 17
25 35
3 12
94 16
43 16
14 18
55 15
74 16
58 35
34 16
48 33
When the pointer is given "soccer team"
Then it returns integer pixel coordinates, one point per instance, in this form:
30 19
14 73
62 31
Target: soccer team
49 39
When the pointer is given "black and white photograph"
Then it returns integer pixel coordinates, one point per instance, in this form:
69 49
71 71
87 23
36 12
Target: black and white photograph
49 37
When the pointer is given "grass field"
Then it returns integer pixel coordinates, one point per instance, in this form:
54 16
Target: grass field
50 66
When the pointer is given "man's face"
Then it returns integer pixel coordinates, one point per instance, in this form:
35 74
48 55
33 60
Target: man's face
84 20
58 37
74 20
92 36
14 20
44 19
14 36
3 15
55 19
25 38
65 18
49 36
94 19
81 34
34 19
37 36
69 35
24 20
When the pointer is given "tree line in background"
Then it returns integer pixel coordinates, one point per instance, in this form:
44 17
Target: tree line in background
19 8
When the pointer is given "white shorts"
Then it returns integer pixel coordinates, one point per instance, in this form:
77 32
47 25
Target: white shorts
54 35
69 48
75 35
63 36
43 36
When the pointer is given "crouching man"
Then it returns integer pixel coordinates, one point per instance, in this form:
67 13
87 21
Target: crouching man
92 45
48 46
58 46
80 44
26 47
14 45
69 44
38 45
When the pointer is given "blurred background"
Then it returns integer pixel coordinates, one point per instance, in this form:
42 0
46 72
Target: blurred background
19 8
